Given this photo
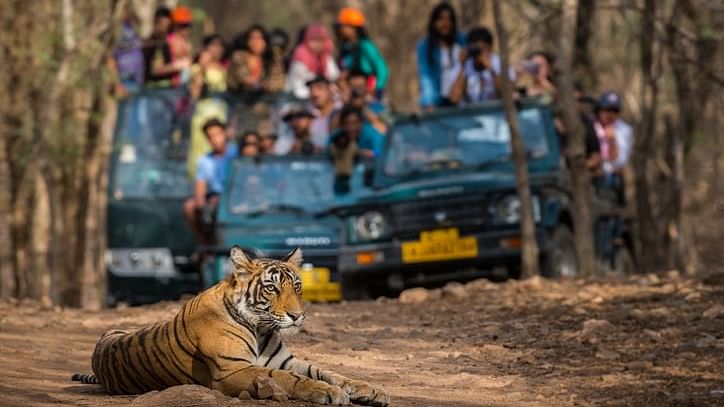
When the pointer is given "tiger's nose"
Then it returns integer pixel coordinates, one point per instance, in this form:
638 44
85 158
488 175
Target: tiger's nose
295 315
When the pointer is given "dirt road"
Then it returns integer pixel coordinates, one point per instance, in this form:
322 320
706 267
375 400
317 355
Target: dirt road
647 340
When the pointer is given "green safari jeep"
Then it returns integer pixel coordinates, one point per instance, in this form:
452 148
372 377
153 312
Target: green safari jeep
444 205
273 204
149 243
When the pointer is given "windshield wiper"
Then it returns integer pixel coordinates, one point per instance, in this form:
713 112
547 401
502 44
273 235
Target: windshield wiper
433 166
298 210
483 165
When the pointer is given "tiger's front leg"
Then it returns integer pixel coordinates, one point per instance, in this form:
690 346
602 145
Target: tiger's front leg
295 385
358 391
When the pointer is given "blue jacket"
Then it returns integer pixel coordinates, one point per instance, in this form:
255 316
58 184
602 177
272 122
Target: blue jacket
429 74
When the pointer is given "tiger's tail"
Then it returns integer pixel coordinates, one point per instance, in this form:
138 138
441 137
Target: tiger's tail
84 378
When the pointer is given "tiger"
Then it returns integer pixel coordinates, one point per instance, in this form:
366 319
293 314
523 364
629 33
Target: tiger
225 338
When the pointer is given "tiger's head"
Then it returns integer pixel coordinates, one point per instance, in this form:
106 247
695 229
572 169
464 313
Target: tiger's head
268 292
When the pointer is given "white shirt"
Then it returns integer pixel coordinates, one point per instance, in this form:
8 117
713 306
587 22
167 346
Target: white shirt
299 75
450 67
481 84
624 144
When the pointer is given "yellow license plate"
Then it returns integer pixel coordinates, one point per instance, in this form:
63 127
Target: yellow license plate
317 287
437 245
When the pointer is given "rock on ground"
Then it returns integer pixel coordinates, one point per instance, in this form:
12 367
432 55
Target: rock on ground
454 290
594 330
414 296
186 395
266 388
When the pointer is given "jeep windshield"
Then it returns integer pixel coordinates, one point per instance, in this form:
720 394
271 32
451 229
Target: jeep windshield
296 185
463 139
149 149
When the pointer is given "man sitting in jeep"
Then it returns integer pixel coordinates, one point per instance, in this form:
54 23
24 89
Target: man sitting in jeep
211 168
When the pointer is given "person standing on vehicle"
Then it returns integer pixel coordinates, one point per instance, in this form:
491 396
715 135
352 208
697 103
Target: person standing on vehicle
208 80
438 57
208 74
211 169
179 43
359 53
298 118
478 78
127 63
323 105
311 58
253 68
156 54
535 77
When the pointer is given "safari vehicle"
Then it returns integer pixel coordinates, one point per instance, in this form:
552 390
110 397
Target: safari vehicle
273 204
149 244
152 253
444 205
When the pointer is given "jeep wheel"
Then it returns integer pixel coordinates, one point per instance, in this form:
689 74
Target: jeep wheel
353 288
561 261
623 263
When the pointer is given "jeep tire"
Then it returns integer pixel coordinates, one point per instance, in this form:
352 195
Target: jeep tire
354 288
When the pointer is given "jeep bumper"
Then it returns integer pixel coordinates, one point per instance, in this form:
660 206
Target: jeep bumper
495 250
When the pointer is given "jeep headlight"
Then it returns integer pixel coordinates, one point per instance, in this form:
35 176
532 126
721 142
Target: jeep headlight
141 261
370 225
507 209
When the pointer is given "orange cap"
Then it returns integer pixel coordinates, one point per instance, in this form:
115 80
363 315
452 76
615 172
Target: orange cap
351 16
181 15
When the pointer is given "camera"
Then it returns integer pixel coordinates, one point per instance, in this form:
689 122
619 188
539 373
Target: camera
530 67
341 141
474 51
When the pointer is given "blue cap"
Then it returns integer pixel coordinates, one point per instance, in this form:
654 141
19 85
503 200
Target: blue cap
609 101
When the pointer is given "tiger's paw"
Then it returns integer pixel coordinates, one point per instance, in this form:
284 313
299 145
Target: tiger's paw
322 393
366 394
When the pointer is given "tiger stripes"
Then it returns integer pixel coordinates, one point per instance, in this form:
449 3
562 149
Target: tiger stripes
226 337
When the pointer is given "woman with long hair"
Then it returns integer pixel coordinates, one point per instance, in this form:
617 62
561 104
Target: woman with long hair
358 52
252 63
438 57
208 73
311 58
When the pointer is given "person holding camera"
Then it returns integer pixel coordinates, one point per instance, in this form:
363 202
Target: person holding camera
355 93
535 77
299 119
478 77
352 141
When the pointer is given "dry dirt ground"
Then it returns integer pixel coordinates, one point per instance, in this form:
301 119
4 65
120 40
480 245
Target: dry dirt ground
643 341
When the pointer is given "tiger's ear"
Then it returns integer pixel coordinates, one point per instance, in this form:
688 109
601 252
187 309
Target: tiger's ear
240 263
294 257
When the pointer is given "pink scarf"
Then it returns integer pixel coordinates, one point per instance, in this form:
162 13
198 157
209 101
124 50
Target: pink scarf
316 63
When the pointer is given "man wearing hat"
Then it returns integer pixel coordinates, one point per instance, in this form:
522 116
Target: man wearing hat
298 118
615 137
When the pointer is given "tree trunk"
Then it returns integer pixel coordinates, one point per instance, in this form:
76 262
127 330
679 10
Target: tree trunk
648 231
529 255
7 277
583 222
583 64
92 215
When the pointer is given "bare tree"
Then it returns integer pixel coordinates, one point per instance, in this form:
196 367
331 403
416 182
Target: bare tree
582 62
529 255
580 178
53 99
